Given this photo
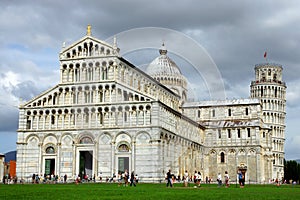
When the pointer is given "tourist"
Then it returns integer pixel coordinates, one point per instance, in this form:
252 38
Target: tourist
132 179
178 178
78 179
126 176
173 178
186 178
100 176
136 177
65 178
41 178
199 178
241 179
226 179
119 179
33 178
219 179
195 177
169 179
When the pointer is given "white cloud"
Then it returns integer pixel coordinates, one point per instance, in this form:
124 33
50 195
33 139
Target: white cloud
9 79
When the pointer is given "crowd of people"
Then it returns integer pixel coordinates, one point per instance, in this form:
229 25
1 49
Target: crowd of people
36 178
123 178
131 179
126 179
8 179
196 178
186 178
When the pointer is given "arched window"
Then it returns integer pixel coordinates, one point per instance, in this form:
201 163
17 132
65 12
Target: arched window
123 148
229 133
222 157
52 119
86 140
50 150
263 77
213 113
269 72
125 116
248 132
101 118
28 123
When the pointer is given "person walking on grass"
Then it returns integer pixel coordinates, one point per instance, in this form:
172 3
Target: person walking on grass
241 179
219 179
195 177
226 179
169 179
186 178
136 178
199 178
126 176
132 179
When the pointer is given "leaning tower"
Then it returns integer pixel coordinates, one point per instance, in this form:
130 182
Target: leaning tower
270 89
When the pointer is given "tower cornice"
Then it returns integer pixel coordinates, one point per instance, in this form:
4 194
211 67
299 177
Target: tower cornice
260 65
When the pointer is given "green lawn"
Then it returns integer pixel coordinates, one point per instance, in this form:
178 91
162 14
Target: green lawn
146 191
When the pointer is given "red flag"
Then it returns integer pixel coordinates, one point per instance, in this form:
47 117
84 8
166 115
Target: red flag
265 55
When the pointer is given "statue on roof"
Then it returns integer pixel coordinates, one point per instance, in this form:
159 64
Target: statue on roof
89 30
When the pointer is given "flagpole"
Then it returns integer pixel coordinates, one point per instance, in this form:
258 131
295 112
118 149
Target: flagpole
265 56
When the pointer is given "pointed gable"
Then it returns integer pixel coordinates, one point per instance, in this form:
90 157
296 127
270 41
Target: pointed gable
88 46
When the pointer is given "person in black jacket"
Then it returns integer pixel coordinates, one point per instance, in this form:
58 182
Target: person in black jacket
169 179
132 179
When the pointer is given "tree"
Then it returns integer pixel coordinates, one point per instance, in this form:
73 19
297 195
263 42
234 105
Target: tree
291 170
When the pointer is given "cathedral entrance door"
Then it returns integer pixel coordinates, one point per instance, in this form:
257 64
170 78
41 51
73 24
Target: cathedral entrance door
86 164
50 166
123 163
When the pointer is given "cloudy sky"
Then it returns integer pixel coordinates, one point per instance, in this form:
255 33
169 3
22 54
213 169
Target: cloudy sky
234 34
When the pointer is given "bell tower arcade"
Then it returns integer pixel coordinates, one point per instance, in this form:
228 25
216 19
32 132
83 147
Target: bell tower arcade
271 90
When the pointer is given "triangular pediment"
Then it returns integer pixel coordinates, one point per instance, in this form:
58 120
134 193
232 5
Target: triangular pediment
88 46
42 99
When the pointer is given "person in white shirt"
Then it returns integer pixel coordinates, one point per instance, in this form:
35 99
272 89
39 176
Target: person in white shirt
186 178
219 180
199 178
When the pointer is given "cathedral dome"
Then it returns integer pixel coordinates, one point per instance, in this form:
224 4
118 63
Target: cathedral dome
163 65
165 71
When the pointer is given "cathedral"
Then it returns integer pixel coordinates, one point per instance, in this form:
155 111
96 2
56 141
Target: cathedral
106 116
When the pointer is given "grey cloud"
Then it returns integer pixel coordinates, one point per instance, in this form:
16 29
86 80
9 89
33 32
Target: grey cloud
234 33
8 117
25 90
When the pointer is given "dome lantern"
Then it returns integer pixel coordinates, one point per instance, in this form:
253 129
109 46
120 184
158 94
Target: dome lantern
163 49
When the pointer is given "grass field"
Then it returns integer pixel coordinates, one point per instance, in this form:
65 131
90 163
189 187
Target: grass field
145 191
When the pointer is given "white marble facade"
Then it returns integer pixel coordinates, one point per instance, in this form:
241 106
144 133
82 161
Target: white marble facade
106 115
2 159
